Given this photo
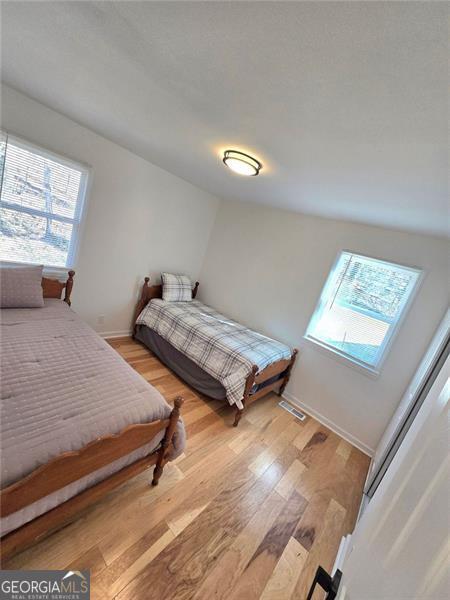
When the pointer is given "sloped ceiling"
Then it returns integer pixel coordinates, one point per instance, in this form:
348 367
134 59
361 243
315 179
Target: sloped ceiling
343 102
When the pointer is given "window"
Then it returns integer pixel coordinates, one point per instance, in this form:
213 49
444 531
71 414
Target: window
360 308
41 205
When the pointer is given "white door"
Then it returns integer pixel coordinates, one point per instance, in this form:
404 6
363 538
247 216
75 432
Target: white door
406 410
400 547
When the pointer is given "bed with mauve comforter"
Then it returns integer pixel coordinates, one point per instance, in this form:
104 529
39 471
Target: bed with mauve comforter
62 386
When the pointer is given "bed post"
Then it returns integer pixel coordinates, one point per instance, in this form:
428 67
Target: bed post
288 372
68 288
174 416
194 291
142 302
248 388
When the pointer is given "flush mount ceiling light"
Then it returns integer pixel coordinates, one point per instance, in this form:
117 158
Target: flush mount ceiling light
241 163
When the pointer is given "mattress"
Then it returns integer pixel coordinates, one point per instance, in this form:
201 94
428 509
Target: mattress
62 387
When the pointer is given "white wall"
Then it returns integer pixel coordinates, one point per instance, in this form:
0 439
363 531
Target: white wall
266 268
140 219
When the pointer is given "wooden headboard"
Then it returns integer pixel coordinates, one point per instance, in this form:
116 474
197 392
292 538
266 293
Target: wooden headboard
52 288
148 293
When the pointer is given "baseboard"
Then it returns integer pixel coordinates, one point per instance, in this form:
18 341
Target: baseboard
325 421
114 334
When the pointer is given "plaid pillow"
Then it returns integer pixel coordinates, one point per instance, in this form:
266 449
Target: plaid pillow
176 288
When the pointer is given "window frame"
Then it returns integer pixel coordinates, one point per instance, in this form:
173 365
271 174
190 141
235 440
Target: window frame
79 217
340 355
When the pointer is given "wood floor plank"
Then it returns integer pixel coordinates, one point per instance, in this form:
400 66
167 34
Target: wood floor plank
260 408
344 449
92 559
218 416
260 428
356 469
277 426
179 523
141 563
240 515
317 455
190 556
200 448
290 478
265 459
323 550
311 523
287 572
202 486
111 573
203 409
306 432
229 568
205 435
253 580
313 452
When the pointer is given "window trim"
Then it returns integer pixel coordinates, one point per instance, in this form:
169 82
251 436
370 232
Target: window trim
343 357
79 218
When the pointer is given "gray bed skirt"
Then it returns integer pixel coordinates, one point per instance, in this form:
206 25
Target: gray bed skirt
183 366
191 373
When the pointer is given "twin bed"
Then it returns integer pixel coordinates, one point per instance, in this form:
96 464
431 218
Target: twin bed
214 354
78 421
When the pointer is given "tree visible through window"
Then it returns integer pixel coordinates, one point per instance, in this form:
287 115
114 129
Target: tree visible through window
360 307
41 203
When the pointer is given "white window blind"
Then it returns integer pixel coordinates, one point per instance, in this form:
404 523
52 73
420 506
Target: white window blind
361 306
41 204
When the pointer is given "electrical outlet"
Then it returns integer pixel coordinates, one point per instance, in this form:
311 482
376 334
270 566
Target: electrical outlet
101 319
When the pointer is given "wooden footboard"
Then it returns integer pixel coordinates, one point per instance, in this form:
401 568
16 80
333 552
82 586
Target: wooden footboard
71 466
280 368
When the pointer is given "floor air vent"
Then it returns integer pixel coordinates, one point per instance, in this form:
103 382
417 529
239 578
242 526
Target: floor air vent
292 410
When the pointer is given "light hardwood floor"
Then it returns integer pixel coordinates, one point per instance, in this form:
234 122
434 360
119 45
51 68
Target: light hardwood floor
244 513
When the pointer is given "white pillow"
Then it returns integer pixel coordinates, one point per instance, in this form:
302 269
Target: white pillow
176 288
21 287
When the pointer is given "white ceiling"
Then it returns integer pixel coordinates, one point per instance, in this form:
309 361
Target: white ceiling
343 102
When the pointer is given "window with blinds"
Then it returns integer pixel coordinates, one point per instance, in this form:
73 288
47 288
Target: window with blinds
361 306
41 204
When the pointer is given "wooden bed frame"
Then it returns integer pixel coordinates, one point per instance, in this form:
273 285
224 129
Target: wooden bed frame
53 288
281 368
71 466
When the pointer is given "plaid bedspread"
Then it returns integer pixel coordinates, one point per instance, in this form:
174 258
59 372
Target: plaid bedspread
221 347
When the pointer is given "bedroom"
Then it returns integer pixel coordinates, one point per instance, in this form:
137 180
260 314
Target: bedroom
343 105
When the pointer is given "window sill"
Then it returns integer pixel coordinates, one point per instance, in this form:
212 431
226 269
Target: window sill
371 372
60 273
